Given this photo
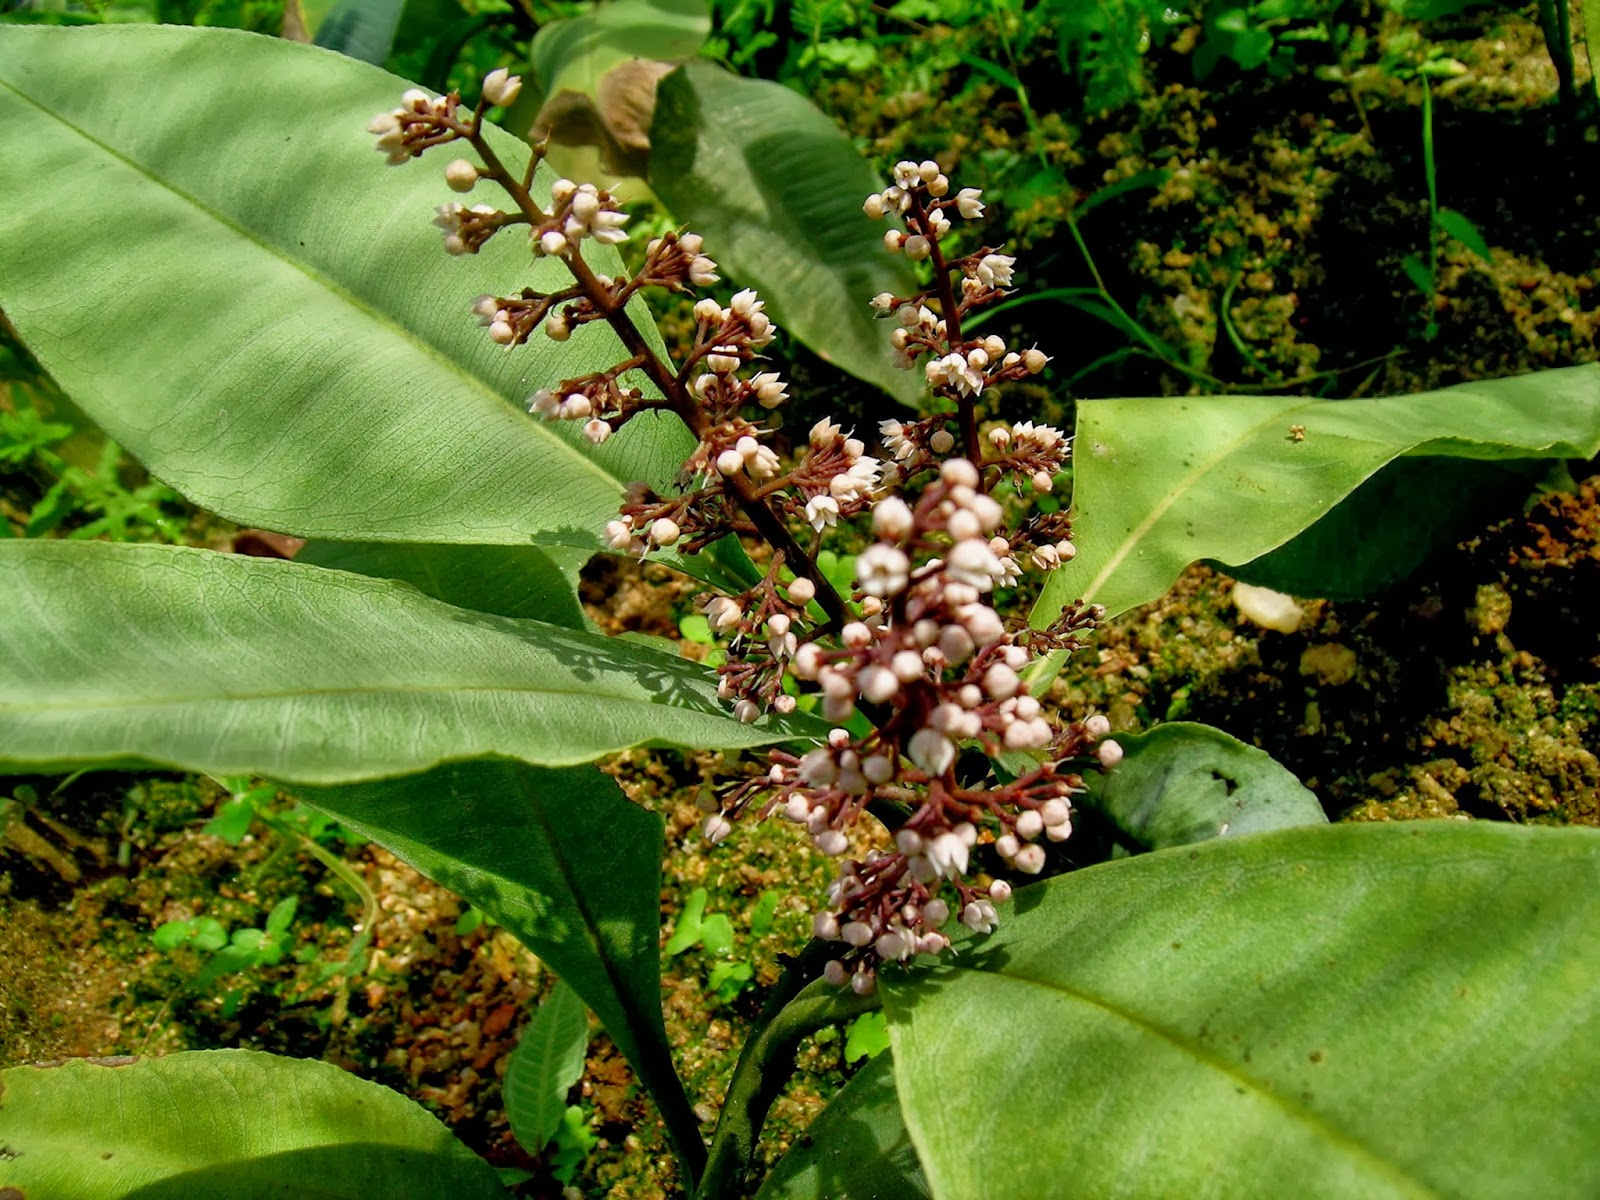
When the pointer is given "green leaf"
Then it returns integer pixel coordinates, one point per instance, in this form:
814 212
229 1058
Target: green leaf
866 1037
564 862
1162 483
1183 782
576 52
776 189
1419 273
225 664
172 934
225 1125
546 1063
231 821
765 912
208 933
716 934
282 915
686 932
1325 1011
857 1149
1464 231
1591 41
1137 181
1392 525
362 29
534 582
274 330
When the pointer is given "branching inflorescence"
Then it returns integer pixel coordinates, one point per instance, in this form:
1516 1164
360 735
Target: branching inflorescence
919 647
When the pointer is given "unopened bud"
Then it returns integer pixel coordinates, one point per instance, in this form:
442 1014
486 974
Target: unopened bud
461 175
501 88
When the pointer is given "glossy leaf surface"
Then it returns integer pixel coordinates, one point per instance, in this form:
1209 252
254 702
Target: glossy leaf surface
561 859
1161 483
1384 1010
776 190
224 1125
165 656
1183 782
274 329
1392 525
857 1149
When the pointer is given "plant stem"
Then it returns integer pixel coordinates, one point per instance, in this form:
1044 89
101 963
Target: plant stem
764 1067
966 407
743 489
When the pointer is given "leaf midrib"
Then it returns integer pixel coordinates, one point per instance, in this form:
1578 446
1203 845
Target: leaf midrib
1185 486
1331 1135
373 690
334 288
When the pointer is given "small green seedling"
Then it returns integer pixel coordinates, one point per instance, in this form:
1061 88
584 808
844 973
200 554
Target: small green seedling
866 1037
243 950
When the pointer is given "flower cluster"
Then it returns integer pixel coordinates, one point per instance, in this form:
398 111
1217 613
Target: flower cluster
919 649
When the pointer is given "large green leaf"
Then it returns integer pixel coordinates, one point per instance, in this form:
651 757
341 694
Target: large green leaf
776 190
1183 782
857 1149
1404 1010
1159 484
251 303
539 583
563 861
1392 525
576 52
362 29
230 665
223 1125
546 1063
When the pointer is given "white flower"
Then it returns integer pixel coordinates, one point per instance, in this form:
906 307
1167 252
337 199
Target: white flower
892 518
895 440
770 390
1030 859
883 570
501 88
947 853
980 916
995 269
934 753
968 203
973 563
702 271
821 512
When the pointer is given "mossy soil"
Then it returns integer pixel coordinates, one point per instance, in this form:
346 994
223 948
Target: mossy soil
1270 255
